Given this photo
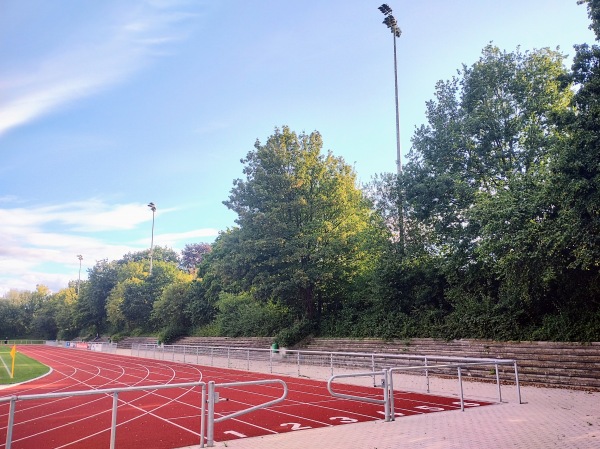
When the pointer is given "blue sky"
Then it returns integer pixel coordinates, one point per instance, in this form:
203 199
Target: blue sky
108 105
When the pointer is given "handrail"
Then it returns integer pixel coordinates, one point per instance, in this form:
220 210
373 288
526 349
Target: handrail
386 391
115 393
212 399
459 366
147 346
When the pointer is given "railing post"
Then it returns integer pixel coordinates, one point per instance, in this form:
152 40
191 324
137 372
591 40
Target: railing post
331 361
228 358
298 358
210 435
202 415
426 375
517 382
386 395
11 421
460 386
390 375
248 358
113 424
184 353
498 383
373 368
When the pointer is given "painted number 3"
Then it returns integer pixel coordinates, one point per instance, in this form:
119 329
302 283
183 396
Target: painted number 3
343 419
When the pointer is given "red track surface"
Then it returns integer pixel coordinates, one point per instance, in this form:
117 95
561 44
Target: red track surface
166 419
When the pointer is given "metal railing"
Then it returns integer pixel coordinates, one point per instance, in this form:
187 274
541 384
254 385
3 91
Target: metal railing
387 382
297 362
384 384
213 397
207 414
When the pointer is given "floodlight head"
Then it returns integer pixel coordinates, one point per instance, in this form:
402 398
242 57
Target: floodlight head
390 21
385 9
152 206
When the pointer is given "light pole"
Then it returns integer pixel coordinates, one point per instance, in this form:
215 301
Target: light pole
153 208
80 257
392 24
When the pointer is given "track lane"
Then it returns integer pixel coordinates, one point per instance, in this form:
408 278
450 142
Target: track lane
170 418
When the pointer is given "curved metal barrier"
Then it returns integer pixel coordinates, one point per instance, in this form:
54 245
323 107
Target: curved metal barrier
384 384
213 398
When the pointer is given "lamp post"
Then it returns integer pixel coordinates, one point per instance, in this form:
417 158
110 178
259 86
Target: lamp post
153 208
392 24
80 257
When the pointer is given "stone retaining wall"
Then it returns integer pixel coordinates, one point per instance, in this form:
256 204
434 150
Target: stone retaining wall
571 365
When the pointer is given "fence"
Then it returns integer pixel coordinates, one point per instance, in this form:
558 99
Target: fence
298 362
207 415
92 346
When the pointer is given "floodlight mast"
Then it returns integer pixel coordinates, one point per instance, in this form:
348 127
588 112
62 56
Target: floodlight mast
153 209
80 257
392 24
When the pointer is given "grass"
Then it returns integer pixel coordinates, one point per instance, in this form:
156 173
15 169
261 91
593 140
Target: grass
25 368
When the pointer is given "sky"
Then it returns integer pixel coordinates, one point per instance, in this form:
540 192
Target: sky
108 105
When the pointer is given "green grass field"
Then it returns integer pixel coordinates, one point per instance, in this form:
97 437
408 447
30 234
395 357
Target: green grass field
25 368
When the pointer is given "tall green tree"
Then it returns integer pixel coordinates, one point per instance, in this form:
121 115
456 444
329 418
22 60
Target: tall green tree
93 294
476 182
303 226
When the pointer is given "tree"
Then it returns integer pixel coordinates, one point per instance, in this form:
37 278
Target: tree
476 182
302 226
131 301
12 318
91 305
193 255
158 254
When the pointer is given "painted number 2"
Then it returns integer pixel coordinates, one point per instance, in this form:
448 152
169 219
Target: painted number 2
295 426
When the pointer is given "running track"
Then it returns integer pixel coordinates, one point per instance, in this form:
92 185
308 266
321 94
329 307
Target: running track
169 418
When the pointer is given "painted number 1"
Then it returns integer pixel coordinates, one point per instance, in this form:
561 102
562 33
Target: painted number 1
235 434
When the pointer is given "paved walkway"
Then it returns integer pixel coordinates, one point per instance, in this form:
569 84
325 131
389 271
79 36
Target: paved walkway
546 418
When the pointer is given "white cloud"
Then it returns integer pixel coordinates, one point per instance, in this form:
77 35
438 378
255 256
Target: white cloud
40 244
105 55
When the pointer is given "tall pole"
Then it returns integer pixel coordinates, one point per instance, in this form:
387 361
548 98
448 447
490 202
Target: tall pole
392 24
80 257
398 152
153 208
